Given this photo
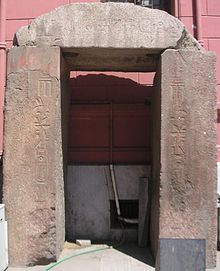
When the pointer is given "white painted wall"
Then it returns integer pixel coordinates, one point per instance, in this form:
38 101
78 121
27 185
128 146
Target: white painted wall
88 194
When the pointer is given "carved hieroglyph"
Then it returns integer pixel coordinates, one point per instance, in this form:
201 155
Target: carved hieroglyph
178 121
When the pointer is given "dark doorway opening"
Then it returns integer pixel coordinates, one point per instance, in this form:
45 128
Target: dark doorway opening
110 123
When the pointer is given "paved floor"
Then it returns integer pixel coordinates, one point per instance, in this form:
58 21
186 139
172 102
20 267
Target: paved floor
102 258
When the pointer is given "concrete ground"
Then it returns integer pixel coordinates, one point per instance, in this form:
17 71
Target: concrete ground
102 258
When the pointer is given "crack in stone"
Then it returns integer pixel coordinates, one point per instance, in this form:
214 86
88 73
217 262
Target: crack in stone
187 41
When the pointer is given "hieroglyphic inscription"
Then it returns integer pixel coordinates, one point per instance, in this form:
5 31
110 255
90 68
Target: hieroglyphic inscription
128 26
179 181
44 87
41 115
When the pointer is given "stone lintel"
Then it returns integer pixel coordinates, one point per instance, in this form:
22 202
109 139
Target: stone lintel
106 25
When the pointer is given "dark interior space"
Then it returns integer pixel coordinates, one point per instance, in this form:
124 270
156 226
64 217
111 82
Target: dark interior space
129 209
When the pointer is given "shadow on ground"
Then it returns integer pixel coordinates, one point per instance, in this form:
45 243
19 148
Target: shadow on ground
141 254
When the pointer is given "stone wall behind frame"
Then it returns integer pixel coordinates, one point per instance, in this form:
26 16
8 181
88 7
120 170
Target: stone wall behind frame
188 148
33 162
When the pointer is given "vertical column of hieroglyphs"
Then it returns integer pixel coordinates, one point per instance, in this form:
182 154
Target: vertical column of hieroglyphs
46 136
47 168
42 122
177 139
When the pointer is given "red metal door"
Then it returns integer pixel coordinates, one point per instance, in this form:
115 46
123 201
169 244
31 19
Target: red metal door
102 133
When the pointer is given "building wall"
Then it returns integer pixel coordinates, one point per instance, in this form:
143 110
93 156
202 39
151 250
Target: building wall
210 31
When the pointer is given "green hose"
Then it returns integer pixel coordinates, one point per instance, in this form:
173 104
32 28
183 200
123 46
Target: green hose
75 255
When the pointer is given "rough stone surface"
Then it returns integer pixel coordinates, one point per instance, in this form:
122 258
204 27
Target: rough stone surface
109 25
33 163
188 148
